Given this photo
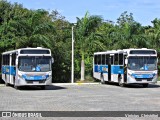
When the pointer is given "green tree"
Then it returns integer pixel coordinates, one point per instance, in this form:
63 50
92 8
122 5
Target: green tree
86 37
154 34
129 33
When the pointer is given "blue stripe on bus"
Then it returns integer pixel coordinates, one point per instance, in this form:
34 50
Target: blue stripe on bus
8 70
115 69
143 75
101 68
35 77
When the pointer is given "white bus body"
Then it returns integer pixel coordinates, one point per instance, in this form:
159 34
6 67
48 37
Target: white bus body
127 66
27 67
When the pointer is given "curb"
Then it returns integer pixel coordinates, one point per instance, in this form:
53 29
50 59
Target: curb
158 82
2 85
75 83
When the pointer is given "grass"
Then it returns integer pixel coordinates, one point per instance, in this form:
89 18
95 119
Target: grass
88 79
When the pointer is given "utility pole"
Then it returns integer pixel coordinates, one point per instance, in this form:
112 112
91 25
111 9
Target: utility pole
72 72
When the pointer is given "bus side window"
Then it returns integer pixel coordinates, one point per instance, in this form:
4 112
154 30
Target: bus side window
103 59
107 60
99 59
121 59
13 59
116 59
4 60
112 60
7 59
95 60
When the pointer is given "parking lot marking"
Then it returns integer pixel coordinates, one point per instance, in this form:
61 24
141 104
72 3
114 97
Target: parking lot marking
2 85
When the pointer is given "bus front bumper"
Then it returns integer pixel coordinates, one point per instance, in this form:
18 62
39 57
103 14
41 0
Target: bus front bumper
131 80
23 82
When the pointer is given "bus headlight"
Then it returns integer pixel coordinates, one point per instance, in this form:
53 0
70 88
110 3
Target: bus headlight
130 75
48 76
20 77
44 77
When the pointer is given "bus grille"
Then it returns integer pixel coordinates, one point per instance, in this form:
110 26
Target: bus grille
140 79
31 81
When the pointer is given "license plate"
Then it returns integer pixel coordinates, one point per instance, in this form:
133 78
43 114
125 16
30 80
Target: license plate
144 80
35 82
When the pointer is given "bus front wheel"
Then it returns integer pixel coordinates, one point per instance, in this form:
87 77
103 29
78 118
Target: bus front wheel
43 87
120 81
16 87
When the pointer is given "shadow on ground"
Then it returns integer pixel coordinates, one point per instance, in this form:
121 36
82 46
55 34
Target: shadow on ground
50 87
134 85
34 88
1 81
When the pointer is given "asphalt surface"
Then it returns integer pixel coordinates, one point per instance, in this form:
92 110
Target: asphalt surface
79 97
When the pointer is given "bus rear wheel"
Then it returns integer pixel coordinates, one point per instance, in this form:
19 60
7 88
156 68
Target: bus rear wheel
102 80
7 84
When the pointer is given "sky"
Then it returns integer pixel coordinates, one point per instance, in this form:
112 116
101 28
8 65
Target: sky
144 11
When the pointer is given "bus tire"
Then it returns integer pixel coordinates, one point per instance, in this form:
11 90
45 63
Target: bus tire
43 87
145 85
16 87
7 84
102 80
120 81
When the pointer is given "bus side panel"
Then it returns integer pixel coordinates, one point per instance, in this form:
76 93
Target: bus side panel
8 73
96 73
100 70
117 71
105 75
12 74
3 77
5 74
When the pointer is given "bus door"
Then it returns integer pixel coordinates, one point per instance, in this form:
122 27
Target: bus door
109 67
125 68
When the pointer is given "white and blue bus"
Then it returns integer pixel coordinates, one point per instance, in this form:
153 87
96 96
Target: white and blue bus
127 66
27 67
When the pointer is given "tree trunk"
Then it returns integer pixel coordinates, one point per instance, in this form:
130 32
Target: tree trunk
82 69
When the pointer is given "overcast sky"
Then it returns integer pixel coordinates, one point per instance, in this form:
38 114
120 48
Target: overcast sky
144 11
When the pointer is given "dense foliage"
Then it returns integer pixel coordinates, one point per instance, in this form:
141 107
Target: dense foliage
21 27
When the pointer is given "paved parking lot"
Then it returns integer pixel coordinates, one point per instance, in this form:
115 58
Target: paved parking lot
108 97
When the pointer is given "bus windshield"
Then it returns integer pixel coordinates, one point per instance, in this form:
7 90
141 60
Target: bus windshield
34 63
145 63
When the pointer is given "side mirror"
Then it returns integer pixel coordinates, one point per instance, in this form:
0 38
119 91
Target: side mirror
126 61
17 61
52 60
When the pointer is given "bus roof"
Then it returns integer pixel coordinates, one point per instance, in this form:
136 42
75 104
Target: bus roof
129 51
28 48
